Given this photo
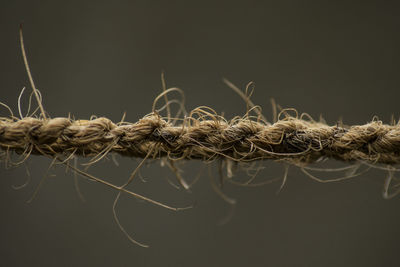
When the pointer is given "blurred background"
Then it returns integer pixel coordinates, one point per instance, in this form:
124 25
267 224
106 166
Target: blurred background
99 58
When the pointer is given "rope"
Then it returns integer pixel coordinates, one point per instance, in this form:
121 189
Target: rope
241 140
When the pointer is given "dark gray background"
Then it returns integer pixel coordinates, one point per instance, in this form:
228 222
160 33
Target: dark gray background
90 57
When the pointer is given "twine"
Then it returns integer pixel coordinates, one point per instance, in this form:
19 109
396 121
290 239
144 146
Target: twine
203 135
241 139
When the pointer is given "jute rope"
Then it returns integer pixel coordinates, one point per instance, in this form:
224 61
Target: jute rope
240 140
201 134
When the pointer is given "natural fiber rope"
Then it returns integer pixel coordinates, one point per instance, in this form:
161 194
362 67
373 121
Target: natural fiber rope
240 140
207 136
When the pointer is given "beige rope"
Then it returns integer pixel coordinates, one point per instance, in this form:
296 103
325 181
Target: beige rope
239 140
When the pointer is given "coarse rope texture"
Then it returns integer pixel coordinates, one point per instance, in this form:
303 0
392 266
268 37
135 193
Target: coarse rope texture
205 138
200 134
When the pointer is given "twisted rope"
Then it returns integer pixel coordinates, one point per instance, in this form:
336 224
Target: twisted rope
206 137
244 139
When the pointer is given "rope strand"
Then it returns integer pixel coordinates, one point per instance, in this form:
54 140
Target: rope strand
289 139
